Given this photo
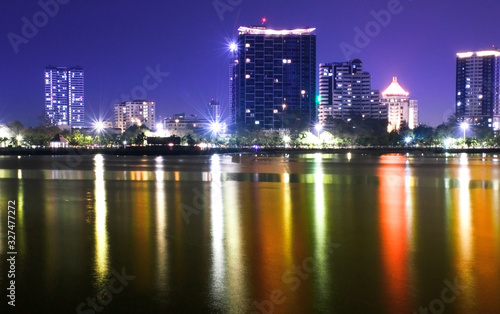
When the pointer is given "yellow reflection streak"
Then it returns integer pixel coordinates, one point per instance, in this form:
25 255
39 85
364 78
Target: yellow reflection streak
217 226
287 218
20 213
320 252
161 228
101 233
236 279
465 227
409 208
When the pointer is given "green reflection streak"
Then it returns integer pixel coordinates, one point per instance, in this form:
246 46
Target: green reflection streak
320 229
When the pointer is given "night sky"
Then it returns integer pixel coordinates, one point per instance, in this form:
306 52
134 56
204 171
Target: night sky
115 42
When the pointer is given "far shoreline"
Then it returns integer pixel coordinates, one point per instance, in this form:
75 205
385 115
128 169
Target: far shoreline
196 151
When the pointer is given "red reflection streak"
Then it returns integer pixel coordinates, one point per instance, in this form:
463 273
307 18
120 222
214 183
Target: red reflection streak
394 231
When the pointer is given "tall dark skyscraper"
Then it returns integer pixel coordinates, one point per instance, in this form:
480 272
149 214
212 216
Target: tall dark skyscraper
478 88
345 92
273 77
64 96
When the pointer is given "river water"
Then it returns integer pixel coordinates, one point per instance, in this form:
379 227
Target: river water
318 233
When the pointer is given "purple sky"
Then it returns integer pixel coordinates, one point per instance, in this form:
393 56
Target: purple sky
115 41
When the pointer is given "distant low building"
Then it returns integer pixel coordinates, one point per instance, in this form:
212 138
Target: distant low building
180 125
163 141
59 141
400 108
137 112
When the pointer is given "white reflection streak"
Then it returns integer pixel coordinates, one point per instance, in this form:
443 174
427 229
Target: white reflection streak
320 252
101 234
217 226
161 227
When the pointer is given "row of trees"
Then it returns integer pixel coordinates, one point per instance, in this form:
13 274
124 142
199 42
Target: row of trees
335 133
15 134
370 133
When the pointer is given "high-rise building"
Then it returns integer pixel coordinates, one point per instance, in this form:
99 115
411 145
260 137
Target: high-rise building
136 112
214 113
478 88
64 96
400 108
345 92
273 75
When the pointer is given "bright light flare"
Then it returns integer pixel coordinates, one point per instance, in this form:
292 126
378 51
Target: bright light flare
233 47
464 125
217 127
318 127
408 140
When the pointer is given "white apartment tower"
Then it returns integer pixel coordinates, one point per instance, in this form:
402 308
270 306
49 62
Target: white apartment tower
478 88
136 112
64 96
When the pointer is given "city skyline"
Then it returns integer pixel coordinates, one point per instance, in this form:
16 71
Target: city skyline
179 64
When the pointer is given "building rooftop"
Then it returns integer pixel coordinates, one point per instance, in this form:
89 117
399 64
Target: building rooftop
395 89
262 30
482 53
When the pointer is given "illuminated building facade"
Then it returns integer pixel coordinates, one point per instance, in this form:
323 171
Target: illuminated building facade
136 112
64 96
214 113
345 92
478 88
400 108
273 73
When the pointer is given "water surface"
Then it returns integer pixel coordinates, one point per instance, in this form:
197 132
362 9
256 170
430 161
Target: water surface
269 234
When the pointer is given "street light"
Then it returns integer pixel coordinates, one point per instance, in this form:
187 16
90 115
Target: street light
318 128
99 126
216 127
464 126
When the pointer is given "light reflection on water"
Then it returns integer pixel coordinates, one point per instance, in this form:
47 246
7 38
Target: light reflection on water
406 224
101 229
